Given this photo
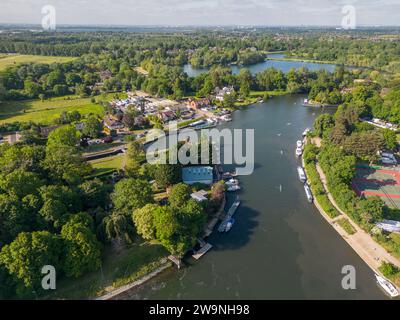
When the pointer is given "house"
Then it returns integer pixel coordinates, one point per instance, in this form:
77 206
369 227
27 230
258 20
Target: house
111 123
45 131
198 174
12 138
105 74
199 196
222 92
166 116
198 104
140 121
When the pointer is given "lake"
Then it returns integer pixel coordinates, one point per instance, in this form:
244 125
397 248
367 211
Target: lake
280 246
284 66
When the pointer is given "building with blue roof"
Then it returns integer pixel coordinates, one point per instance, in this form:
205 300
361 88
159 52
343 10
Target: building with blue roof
198 174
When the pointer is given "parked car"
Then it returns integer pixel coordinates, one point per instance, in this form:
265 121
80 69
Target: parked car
108 139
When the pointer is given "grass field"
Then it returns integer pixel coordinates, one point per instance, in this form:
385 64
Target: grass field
118 268
46 111
11 59
106 166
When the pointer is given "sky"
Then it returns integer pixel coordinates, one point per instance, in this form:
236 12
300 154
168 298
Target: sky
203 12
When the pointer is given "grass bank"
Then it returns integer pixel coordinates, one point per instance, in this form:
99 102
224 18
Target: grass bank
118 268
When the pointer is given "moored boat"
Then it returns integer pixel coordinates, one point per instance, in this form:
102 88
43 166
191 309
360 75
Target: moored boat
229 224
302 174
306 131
232 182
309 195
233 188
299 152
299 144
386 285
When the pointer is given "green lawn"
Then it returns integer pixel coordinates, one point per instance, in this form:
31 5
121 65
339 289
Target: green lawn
346 225
108 162
46 111
118 268
11 59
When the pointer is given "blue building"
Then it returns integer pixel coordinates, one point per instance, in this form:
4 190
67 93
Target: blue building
200 174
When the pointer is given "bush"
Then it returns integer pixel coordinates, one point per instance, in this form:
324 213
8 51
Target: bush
346 225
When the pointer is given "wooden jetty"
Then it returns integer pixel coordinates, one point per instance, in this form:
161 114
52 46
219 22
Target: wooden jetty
229 215
176 260
233 208
202 251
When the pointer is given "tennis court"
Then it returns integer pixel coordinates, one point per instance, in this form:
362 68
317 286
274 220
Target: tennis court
380 181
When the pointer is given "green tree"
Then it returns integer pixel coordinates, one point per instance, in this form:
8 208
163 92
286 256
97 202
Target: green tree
390 138
94 193
179 195
63 136
25 257
65 164
322 124
167 174
143 219
82 250
92 127
135 155
21 183
130 194
117 226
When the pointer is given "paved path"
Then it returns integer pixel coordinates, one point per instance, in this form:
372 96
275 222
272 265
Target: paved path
369 250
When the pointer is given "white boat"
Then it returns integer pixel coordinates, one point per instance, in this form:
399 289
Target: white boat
302 174
229 224
306 131
299 152
232 182
308 193
233 188
389 288
299 144
226 117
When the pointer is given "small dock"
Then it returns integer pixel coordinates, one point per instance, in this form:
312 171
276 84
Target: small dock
202 251
229 214
233 208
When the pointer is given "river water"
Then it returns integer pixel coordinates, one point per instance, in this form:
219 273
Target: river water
284 66
280 246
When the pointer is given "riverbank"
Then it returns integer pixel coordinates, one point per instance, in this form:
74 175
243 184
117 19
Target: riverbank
360 241
121 290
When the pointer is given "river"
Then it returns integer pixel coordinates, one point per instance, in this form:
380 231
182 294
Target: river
284 66
280 246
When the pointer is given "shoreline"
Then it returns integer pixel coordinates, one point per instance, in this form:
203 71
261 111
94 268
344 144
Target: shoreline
371 252
123 289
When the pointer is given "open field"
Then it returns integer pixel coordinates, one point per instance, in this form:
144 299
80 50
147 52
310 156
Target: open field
11 59
119 267
383 182
46 111
106 166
